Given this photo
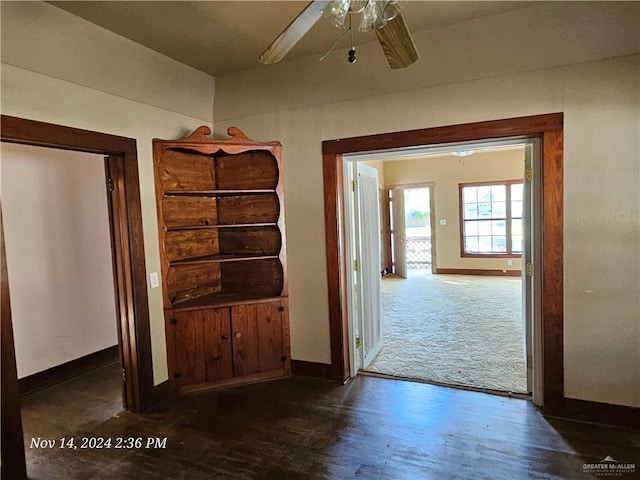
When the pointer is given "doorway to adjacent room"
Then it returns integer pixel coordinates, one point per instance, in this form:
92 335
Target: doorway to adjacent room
456 326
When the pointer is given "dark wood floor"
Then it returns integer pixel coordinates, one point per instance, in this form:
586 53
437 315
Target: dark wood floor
371 428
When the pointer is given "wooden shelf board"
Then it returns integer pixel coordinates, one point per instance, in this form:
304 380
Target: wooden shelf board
216 193
231 225
221 258
222 300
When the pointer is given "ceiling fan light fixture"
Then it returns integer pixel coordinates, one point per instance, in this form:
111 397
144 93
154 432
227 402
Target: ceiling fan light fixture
377 13
336 12
463 153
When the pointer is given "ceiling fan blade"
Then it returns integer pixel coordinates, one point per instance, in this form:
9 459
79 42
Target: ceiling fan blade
293 33
397 43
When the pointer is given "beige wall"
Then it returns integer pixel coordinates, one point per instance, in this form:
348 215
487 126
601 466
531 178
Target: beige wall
54 208
447 171
96 80
600 101
41 38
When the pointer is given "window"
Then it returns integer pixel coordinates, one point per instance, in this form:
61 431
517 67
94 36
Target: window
491 218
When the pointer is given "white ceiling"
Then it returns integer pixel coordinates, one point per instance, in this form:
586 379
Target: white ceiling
223 37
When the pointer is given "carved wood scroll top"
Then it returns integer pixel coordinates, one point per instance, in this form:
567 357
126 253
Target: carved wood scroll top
205 143
203 134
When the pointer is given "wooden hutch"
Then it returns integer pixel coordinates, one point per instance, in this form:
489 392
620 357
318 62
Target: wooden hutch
222 248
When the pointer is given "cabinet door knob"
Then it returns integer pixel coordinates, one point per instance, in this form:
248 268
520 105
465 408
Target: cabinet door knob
224 336
238 334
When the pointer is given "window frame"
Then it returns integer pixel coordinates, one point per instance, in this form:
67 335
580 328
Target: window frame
508 218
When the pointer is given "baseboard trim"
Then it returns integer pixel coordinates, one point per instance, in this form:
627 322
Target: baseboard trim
67 370
596 412
469 271
311 369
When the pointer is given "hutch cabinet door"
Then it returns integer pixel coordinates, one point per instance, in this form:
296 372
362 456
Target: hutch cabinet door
187 331
257 338
217 344
270 355
245 340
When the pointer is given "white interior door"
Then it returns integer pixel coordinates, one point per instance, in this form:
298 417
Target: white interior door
369 261
399 233
527 263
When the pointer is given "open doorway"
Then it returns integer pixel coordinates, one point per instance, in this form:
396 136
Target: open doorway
411 223
461 320
547 264
63 304
129 275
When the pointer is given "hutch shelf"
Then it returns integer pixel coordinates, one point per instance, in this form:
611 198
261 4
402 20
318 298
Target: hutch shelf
222 249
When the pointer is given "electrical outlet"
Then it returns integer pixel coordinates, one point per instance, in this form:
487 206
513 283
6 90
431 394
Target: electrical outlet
510 262
154 280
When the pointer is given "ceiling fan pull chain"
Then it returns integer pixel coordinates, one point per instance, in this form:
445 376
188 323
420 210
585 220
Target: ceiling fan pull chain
351 56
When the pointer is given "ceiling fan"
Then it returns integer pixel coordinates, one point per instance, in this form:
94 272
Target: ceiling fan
382 16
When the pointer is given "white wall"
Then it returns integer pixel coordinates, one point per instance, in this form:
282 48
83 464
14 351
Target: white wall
95 80
580 58
56 222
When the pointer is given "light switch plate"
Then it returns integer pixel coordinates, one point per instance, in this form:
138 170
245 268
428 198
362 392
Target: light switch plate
154 280
443 221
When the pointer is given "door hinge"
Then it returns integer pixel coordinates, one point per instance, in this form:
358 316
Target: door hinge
110 184
356 265
124 376
354 185
529 270
358 342
528 174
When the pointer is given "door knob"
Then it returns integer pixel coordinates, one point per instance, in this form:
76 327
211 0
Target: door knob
238 334
224 336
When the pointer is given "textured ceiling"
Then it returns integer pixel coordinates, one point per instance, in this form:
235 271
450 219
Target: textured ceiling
223 37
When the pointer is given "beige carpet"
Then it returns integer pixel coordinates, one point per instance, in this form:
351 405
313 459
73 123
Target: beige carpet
453 329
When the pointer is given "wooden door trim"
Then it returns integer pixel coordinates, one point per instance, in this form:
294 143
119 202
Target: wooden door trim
12 463
548 127
126 228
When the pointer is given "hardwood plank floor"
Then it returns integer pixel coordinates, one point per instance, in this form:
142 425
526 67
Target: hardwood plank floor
371 428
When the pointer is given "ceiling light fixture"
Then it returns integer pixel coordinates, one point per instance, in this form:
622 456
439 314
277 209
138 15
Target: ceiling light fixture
375 13
463 153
